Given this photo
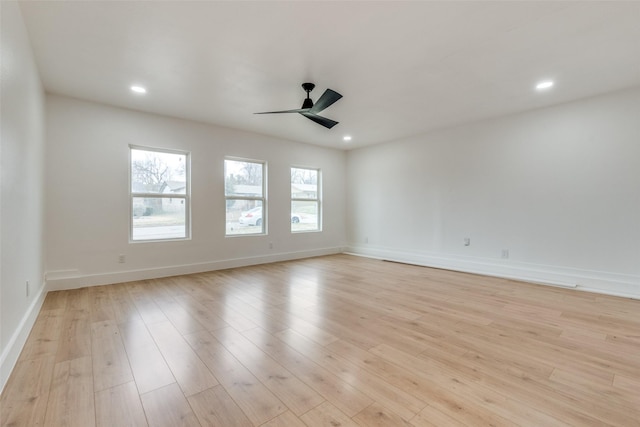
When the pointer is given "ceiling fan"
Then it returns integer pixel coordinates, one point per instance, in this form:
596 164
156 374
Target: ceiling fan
310 111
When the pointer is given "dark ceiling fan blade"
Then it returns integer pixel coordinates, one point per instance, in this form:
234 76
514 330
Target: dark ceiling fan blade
309 110
326 100
328 123
298 110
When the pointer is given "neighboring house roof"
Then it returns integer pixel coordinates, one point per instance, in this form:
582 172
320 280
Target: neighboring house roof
247 190
175 187
164 187
304 190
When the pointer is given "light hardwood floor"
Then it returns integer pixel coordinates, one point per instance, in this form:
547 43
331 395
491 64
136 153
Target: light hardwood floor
329 341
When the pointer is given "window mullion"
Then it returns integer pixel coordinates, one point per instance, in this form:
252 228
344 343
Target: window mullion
159 195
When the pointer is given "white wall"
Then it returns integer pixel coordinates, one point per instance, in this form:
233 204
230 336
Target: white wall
88 206
558 187
21 194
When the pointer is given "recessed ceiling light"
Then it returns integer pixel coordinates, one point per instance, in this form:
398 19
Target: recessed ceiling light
346 138
138 89
544 85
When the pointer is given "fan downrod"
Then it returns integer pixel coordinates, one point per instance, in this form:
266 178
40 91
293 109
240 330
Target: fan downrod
308 87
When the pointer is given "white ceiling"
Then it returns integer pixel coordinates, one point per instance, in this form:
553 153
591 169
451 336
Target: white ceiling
404 68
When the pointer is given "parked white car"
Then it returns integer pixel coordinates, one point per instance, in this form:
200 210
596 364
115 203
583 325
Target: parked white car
251 217
254 217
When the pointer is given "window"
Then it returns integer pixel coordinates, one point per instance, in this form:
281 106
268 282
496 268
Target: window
305 200
244 190
159 194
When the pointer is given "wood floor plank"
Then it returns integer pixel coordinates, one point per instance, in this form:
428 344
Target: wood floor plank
344 396
255 400
214 407
312 332
149 368
256 316
135 334
377 415
203 300
120 406
377 389
349 326
75 336
499 408
606 405
78 299
55 300
146 307
104 329
528 389
71 401
110 362
26 403
294 393
181 319
332 340
629 388
581 378
433 417
192 374
204 315
327 415
288 419
100 306
168 407
44 337
124 310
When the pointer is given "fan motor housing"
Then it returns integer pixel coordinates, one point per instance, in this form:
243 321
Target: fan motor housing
308 103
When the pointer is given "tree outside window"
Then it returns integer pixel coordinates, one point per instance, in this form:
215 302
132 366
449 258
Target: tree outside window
159 182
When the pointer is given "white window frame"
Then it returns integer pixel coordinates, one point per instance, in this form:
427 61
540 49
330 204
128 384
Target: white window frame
318 198
186 197
262 199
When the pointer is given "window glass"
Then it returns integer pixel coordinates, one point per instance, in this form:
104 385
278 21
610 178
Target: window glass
305 199
245 197
156 218
159 182
158 172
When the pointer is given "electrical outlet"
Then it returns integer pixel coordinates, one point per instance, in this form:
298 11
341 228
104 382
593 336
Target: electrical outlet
366 239
467 241
27 288
270 245
122 259
505 253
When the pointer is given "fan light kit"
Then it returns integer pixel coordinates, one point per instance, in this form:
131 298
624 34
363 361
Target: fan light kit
311 110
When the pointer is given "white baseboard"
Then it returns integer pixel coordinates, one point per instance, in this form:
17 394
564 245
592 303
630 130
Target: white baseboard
12 351
73 279
623 285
